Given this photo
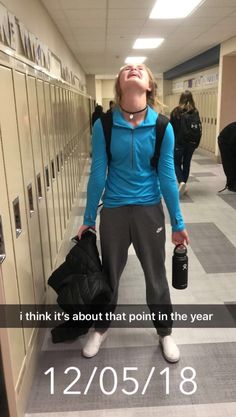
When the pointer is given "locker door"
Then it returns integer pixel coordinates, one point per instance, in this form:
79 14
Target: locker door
62 117
9 280
29 184
72 146
201 116
47 170
39 174
52 156
66 153
77 159
207 121
56 124
215 120
76 162
210 120
204 120
11 155
58 98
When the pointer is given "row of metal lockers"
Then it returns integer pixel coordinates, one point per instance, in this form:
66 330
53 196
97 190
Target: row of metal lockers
45 140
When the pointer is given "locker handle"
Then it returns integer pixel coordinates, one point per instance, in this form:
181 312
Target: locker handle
16 211
30 199
40 194
47 177
2 258
2 244
58 164
53 170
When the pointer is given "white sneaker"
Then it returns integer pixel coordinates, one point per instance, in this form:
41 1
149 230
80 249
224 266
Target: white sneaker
169 349
93 344
182 187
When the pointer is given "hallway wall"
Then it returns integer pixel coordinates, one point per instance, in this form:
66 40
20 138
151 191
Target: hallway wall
35 18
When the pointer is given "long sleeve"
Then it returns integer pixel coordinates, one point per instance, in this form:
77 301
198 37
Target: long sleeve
98 172
168 181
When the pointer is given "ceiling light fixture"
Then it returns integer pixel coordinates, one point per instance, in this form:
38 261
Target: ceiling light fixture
147 43
172 9
135 59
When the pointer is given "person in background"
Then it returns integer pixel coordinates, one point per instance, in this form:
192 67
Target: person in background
187 129
98 112
112 104
227 146
131 191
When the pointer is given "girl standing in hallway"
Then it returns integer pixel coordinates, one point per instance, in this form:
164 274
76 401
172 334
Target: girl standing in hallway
186 140
131 191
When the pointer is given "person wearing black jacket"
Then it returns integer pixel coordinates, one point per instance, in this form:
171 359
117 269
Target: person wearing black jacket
98 112
184 149
227 146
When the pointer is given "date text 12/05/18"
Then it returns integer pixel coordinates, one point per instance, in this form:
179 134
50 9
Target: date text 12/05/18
129 384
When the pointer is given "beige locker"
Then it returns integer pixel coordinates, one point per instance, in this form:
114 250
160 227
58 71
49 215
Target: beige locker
77 158
11 155
207 121
13 337
47 171
39 174
62 116
73 145
56 124
52 157
215 119
72 134
70 130
29 184
211 103
203 141
66 153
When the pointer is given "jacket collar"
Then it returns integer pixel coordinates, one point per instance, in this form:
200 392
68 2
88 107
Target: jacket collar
118 119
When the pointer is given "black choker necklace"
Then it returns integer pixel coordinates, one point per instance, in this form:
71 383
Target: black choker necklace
131 113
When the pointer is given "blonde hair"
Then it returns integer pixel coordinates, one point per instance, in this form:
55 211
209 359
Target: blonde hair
152 99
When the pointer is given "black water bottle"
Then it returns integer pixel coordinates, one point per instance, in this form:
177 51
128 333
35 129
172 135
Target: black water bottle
180 267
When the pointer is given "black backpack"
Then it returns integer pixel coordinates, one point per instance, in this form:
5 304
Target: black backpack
161 124
190 128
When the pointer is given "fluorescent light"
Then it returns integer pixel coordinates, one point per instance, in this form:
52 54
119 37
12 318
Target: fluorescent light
135 59
147 43
173 9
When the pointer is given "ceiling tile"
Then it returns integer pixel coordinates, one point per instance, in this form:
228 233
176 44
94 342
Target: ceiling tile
101 33
88 24
93 33
131 4
128 14
114 31
219 3
156 32
86 14
52 4
82 4
213 11
125 23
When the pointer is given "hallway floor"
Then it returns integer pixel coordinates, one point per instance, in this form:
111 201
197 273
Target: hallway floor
211 222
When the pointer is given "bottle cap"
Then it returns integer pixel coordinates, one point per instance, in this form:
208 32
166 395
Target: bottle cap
180 249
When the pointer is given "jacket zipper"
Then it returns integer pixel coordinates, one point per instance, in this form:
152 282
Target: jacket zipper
132 149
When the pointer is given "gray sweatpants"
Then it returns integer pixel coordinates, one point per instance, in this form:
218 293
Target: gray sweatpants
144 227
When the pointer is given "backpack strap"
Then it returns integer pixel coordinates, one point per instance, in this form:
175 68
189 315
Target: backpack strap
161 124
106 120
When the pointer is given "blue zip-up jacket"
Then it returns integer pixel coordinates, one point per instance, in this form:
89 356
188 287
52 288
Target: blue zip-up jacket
130 179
